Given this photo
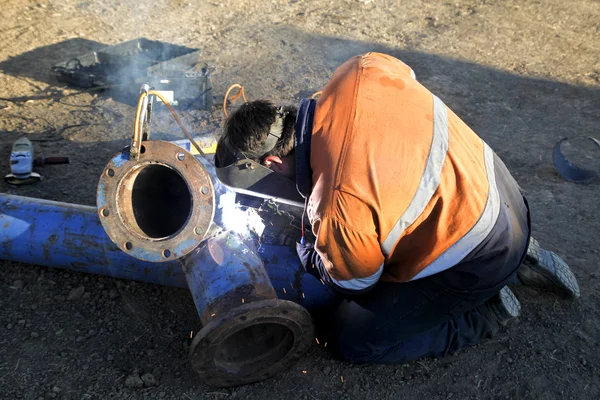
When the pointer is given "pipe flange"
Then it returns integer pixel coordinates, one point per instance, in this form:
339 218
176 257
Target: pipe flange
252 342
158 208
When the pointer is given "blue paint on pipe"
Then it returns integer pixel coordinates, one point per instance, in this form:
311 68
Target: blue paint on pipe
224 272
70 236
100 193
120 159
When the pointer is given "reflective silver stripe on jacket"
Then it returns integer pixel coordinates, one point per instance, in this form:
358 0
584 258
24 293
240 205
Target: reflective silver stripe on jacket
480 230
430 179
360 283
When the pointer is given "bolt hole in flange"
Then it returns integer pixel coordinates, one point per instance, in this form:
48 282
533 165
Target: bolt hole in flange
142 149
110 173
166 253
128 246
105 212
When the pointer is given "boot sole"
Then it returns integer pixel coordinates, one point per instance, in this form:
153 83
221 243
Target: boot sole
545 269
511 304
504 307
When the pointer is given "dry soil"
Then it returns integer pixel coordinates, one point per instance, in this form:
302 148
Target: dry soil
523 74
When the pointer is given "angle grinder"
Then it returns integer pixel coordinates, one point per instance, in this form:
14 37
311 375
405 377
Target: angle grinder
22 161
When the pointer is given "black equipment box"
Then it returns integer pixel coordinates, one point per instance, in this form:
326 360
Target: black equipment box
176 71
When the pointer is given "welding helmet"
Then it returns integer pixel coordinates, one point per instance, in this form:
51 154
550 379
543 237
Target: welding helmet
240 172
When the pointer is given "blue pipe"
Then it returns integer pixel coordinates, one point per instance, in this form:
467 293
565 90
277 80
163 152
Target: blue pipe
224 272
70 236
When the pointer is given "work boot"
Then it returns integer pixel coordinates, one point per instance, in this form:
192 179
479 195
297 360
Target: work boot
545 269
504 306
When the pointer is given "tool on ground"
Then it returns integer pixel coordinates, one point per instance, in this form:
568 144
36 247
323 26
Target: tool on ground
22 161
41 160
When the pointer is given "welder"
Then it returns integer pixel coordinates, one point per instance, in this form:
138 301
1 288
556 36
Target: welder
417 223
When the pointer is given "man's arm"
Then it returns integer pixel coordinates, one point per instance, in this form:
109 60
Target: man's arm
347 259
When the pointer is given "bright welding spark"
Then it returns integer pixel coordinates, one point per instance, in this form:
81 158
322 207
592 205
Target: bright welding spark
234 218
255 222
237 220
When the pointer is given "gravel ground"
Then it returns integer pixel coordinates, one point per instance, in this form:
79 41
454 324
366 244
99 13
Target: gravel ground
522 74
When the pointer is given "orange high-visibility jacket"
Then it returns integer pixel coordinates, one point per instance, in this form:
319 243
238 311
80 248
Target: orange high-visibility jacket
402 188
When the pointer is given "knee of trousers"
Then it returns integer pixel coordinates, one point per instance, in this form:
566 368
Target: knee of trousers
354 349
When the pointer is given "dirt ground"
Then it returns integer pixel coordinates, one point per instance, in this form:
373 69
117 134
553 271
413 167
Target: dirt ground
522 74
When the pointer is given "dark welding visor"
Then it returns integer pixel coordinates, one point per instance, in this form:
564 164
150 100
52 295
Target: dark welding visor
238 171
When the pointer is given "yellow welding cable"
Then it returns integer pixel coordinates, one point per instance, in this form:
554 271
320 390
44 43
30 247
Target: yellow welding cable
234 97
176 117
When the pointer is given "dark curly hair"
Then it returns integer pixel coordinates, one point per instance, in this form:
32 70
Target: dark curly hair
248 127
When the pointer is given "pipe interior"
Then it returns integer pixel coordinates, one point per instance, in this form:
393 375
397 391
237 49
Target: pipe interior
160 200
254 348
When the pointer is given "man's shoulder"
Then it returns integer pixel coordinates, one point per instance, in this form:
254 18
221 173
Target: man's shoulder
386 63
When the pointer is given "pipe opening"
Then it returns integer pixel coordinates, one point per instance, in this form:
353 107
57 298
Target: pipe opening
161 201
254 348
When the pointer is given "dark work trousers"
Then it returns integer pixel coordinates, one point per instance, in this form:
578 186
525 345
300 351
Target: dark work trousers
442 313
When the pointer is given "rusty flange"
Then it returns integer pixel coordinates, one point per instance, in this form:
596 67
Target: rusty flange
159 207
252 342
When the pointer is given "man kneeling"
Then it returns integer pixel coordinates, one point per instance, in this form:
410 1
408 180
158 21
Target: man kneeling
418 224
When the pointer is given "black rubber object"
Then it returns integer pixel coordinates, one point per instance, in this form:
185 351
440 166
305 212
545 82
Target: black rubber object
569 171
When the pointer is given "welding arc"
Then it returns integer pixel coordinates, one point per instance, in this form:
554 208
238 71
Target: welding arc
234 97
138 112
